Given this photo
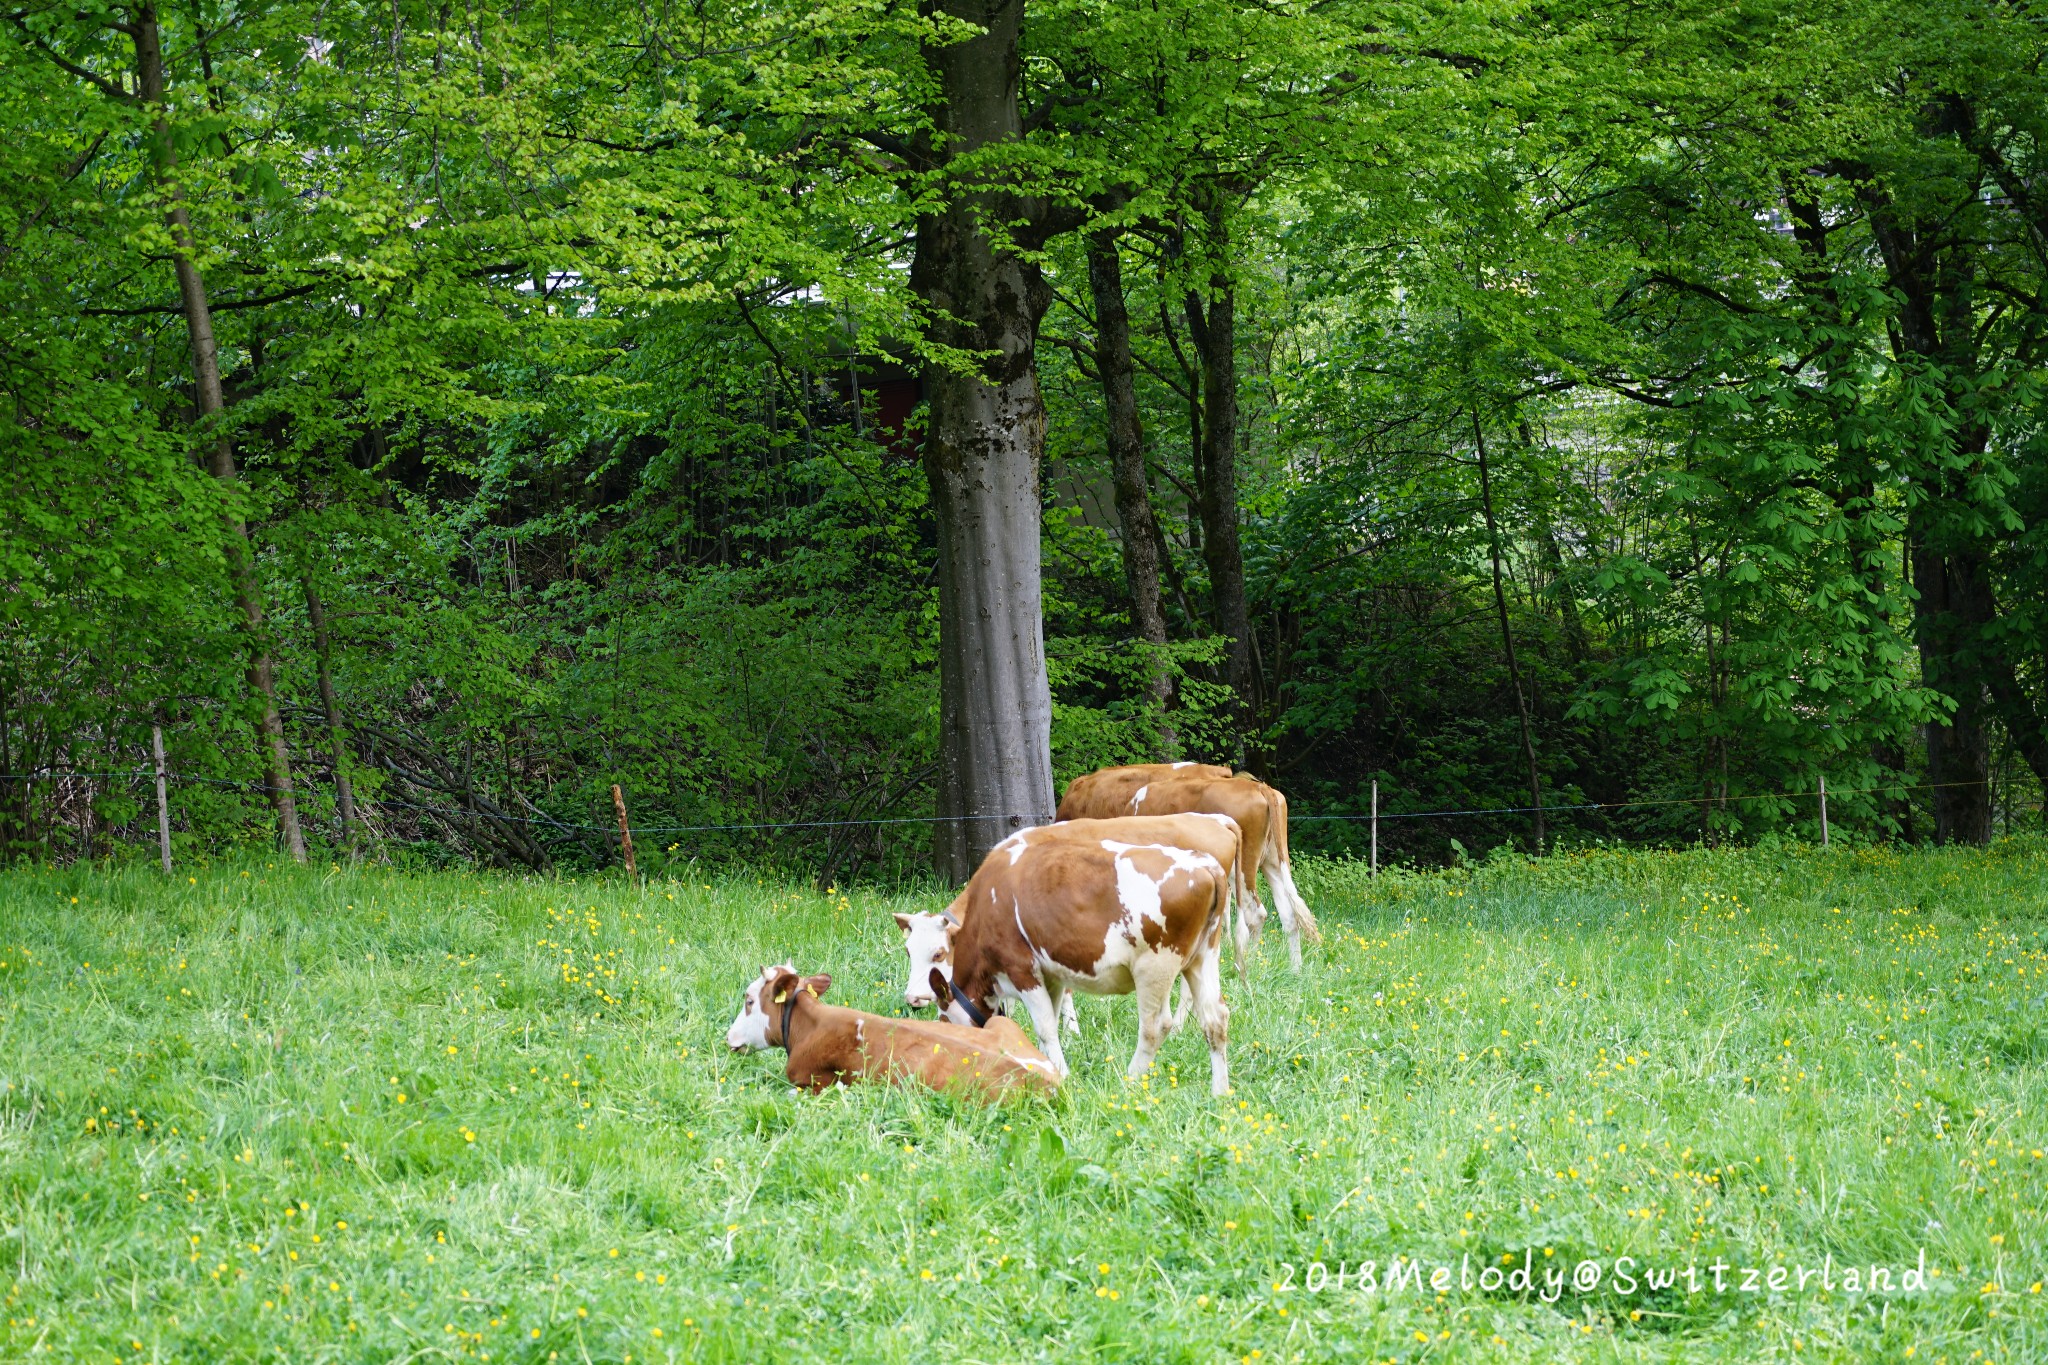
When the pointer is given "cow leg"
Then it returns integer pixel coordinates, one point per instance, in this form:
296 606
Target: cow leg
1205 983
1294 912
1251 917
1180 1012
1070 1018
1251 910
1304 918
1045 1022
1153 976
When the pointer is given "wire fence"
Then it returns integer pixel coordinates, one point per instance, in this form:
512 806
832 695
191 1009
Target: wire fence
552 822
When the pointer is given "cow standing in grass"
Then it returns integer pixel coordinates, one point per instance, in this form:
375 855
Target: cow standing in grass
1110 907
1260 810
830 1046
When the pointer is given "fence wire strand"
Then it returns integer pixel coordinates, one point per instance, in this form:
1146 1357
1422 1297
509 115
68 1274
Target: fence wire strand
550 822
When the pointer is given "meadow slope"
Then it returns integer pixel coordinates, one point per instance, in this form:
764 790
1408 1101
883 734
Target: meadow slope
253 1113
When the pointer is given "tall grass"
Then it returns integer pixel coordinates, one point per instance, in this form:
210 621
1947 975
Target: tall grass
357 1115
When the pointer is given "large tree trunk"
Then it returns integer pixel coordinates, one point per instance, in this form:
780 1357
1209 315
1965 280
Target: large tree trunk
1214 329
984 440
1962 658
1144 547
149 63
1952 592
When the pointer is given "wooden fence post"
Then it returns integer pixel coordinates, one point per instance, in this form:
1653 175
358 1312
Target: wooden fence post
1823 812
1375 828
163 797
625 834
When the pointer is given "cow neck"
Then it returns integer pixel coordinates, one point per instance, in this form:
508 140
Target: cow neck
967 1005
975 942
788 1016
970 1002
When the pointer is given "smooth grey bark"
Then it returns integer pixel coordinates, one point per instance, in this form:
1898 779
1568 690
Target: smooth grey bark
1144 546
984 442
163 796
150 81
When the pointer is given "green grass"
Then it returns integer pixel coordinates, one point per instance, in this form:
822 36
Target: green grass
365 1115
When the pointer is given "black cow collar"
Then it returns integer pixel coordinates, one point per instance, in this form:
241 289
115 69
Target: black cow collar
972 1010
788 1008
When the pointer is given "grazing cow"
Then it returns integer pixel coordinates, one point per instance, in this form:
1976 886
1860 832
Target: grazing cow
829 1046
1103 906
1260 810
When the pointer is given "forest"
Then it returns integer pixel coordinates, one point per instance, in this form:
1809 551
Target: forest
1599 421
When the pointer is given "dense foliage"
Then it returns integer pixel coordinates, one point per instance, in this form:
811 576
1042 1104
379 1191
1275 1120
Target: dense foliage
1560 405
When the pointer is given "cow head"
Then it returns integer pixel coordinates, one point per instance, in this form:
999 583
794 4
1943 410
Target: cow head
950 1008
768 992
928 939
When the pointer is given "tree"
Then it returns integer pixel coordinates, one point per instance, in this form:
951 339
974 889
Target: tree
150 96
983 444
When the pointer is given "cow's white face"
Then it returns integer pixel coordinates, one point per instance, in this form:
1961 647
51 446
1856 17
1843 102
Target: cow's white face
749 1031
928 939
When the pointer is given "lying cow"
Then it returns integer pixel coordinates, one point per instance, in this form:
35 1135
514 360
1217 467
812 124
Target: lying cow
829 1046
1260 810
1103 906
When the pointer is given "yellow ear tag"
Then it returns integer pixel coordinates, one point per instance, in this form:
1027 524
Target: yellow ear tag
781 997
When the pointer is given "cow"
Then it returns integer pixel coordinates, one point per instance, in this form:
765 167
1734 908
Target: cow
830 1046
1260 810
1108 907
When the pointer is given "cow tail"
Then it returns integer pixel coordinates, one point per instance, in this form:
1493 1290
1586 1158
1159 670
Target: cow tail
1236 889
1276 839
1220 901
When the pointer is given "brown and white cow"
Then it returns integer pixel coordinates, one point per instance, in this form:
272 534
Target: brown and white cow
829 1046
926 936
1260 810
1109 907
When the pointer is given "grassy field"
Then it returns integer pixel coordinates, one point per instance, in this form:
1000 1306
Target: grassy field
364 1115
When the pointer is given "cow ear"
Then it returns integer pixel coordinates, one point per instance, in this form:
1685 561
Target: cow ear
819 984
941 986
781 985
902 922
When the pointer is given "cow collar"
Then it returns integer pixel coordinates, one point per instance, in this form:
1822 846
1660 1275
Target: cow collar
789 1008
972 1010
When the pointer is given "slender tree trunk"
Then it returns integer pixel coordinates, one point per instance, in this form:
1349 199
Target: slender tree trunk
8 828
1507 636
344 788
149 62
1214 330
982 451
1144 547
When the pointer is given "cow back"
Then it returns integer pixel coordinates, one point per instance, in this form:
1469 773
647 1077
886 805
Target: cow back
1107 792
1056 894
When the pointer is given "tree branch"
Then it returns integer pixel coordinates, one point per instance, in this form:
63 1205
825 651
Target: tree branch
100 83
221 307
